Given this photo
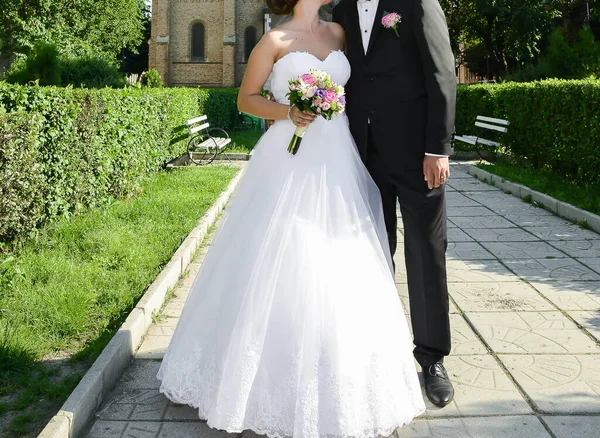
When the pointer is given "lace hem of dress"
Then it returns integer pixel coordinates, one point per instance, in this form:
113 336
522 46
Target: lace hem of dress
245 404
370 433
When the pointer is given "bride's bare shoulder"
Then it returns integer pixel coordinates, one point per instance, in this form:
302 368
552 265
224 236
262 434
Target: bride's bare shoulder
338 32
336 28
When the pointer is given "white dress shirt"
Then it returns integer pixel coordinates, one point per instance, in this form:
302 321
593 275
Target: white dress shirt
367 9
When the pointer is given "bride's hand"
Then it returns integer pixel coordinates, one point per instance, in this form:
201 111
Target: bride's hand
302 118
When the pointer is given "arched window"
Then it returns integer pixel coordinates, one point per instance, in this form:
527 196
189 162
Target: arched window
249 41
197 42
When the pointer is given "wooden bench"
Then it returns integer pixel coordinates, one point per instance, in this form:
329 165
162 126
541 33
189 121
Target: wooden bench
485 124
203 146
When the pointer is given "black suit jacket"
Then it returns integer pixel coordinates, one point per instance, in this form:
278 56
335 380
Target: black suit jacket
405 86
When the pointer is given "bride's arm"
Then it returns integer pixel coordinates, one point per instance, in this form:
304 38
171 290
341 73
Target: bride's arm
260 65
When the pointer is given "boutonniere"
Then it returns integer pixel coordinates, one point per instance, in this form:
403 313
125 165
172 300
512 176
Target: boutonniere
390 20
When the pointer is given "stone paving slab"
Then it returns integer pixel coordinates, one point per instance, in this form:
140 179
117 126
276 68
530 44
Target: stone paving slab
577 426
494 297
579 248
531 332
593 264
468 251
523 250
153 347
457 235
481 388
552 269
473 211
479 427
563 232
459 271
588 320
571 295
558 384
496 221
501 235
534 219
471 185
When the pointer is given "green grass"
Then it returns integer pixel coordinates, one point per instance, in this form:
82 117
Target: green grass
243 141
585 196
63 294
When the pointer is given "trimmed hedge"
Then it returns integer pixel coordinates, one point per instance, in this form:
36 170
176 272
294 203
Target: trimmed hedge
555 124
91 146
21 176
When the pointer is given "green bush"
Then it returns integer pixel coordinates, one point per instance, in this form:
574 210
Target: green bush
42 65
555 124
22 188
220 104
95 145
48 67
152 79
566 60
91 71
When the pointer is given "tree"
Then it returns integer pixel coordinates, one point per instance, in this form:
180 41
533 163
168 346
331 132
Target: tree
510 31
76 27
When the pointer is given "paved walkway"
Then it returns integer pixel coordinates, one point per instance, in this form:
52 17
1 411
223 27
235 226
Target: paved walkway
525 292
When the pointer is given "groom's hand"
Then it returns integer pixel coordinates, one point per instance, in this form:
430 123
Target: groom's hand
436 170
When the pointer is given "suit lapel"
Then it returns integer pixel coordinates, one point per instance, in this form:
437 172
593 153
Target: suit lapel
376 24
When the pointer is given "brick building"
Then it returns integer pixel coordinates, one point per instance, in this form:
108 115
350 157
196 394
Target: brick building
205 42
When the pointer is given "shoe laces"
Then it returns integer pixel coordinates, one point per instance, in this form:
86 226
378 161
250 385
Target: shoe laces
437 369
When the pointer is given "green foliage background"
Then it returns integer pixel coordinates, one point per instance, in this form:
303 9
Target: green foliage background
77 27
555 124
77 148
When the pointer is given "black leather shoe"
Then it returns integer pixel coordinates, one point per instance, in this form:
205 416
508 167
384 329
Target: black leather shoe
438 387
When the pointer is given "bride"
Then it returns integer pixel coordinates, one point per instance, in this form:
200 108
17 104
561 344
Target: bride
293 326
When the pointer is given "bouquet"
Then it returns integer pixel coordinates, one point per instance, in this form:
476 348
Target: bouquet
317 93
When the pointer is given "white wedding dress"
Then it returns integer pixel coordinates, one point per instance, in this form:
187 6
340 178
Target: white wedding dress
293 326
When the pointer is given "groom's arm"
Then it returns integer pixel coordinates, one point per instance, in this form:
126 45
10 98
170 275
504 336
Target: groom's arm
431 32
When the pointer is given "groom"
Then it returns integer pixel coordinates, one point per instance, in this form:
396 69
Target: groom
401 103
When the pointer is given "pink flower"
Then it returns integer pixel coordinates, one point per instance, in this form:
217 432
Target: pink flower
330 96
309 79
390 21
326 106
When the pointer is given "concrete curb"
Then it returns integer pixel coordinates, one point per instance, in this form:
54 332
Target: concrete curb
79 409
559 208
